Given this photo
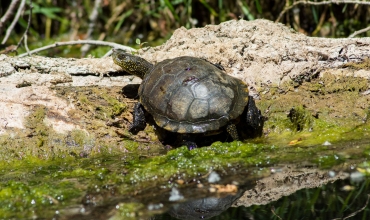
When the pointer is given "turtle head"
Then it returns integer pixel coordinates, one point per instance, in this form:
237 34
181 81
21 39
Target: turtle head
132 64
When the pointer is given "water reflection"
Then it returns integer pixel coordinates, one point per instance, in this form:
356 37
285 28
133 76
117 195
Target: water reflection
204 208
300 190
342 199
305 193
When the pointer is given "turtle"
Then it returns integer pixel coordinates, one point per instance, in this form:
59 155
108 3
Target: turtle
191 97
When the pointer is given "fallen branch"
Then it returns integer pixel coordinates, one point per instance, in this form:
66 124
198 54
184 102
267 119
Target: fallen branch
68 43
273 212
27 29
359 32
15 20
8 14
92 20
356 212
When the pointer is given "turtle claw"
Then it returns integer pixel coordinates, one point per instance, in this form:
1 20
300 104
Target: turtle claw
190 145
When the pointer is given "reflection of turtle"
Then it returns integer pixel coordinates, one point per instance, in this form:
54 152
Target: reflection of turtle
188 95
204 208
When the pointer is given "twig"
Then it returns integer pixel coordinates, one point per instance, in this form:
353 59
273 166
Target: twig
8 14
356 212
67 43
15 20
25 44
305 2
359 32
360 210
273 212
27 29
93 16
108 53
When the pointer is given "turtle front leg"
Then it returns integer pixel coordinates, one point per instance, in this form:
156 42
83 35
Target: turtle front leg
254 119
139 121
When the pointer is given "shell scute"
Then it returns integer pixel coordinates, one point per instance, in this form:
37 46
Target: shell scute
190 95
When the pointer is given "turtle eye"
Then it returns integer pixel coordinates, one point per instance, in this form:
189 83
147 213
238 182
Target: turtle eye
122 57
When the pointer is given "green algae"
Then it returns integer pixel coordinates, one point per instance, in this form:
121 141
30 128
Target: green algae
45 182
25 200
37 183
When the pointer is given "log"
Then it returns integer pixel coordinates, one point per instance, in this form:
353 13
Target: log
262 53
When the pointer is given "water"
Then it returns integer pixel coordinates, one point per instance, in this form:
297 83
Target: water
224 181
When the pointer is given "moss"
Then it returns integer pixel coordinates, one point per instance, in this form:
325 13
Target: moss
364 65
99 102
329 161
301 118
26 199
40 140
328 103
34 122
330 83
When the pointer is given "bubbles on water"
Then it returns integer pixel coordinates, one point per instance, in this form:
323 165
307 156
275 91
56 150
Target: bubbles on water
175 195
276 170
332 173
357 176
152 207
82 210
213 177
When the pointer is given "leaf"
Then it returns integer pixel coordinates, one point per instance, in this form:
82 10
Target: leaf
247 12
123 17
169 6
258 6
315 15
210 9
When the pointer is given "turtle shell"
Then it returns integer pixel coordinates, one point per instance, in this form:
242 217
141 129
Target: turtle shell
190 95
